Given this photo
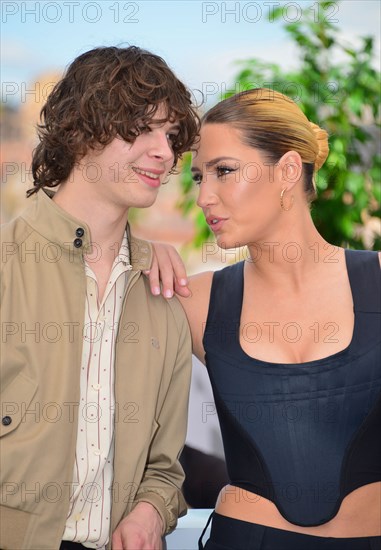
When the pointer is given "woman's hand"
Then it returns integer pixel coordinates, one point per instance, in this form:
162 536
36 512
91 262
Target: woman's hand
168 269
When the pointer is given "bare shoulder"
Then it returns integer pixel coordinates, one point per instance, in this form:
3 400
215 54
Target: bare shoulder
201 283
196 308
199 286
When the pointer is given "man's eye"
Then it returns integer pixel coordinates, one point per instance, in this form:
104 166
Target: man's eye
172 138
143 129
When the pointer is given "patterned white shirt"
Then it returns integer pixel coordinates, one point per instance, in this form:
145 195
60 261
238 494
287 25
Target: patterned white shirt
88 521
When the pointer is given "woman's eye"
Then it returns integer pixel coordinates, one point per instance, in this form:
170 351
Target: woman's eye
224 171
197 178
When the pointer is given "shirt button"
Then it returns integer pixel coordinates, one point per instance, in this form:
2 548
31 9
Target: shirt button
97 452
77 517
97 386
77 243
6 420
80 232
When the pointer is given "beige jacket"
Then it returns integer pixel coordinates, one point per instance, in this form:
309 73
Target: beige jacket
43 300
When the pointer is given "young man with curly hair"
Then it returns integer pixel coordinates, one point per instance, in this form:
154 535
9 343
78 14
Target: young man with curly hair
95 370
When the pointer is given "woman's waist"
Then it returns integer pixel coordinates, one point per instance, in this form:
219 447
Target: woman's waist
358 515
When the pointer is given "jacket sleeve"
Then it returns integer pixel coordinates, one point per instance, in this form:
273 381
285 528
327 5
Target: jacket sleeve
163 477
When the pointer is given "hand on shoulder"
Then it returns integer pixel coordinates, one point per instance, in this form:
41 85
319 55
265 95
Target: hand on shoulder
167 274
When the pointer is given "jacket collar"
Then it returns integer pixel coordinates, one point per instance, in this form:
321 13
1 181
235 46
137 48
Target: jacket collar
73 235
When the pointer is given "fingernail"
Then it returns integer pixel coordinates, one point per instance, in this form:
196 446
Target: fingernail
183 282
156 290
168 293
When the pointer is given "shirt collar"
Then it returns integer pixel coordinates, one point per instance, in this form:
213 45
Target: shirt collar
73 235
124 252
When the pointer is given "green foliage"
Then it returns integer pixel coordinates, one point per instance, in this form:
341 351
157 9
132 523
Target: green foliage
341 96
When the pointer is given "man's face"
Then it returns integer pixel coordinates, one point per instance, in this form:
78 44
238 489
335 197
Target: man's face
130 175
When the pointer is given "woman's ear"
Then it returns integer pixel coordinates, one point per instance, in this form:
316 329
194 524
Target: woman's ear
290 169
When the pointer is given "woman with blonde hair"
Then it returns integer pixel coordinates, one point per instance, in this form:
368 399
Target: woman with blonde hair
290 337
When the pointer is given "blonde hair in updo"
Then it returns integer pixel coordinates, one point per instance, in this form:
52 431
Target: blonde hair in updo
321 137
274 124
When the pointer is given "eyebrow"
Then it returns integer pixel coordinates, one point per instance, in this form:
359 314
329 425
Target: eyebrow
212 162
175 126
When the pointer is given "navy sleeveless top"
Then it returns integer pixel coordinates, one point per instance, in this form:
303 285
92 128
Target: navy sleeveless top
301 435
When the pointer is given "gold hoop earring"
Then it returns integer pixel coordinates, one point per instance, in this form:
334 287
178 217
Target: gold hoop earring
282 205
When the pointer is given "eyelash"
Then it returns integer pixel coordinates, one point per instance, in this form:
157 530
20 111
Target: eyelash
172 138
221 172
197 178
143 129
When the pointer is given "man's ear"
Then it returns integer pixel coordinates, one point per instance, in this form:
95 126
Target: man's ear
290 169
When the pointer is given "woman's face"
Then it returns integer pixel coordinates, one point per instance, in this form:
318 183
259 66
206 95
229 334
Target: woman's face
238 190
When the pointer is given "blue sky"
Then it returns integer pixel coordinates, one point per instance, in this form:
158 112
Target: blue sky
199 40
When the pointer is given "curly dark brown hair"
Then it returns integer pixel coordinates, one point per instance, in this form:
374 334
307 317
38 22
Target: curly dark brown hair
105 92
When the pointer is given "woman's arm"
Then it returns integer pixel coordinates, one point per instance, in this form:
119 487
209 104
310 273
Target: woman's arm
168 271
196 308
